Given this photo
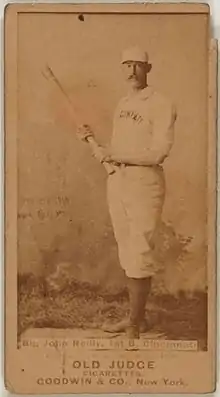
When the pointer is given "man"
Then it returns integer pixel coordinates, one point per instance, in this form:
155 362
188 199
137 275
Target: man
143 133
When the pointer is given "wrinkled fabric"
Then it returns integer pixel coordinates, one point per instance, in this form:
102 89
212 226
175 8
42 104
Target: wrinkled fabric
135 198
143 128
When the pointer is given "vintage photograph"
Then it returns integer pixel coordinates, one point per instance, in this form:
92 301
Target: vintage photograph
112 210
113 180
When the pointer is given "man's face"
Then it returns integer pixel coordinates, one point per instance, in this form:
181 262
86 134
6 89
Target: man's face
135 73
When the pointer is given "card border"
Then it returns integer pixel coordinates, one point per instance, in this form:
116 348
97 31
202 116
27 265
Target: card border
10 156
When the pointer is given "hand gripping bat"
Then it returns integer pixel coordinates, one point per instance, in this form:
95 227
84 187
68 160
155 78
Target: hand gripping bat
49 74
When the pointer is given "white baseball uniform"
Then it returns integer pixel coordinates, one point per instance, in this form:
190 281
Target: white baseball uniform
143 129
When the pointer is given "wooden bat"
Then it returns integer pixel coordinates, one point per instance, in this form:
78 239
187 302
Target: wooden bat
49 74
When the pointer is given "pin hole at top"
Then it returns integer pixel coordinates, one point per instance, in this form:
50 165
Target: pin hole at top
81 17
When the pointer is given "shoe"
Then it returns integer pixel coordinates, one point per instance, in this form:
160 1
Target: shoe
144 326
122 326
117 327
132 332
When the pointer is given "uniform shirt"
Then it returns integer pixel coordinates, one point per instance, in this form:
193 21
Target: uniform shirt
143 127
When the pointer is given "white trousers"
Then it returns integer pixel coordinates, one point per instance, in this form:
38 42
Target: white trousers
135 197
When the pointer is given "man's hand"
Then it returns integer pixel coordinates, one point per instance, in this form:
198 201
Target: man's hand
102 154
84 132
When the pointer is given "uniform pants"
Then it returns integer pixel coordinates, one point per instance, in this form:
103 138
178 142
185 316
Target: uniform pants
135 198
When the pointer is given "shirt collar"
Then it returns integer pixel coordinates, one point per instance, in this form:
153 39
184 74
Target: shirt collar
146 92
142 94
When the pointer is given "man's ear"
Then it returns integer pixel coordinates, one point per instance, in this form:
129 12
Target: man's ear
148 67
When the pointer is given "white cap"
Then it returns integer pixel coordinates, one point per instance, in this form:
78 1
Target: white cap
134 54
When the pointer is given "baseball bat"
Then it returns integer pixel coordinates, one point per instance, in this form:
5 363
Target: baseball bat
49 74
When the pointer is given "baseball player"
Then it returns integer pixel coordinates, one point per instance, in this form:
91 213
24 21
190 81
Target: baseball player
143 134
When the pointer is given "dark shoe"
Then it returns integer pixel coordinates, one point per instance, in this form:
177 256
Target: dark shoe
132 332
122 326
117 327
144 326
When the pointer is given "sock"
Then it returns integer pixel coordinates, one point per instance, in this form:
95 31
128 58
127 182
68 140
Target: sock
138 292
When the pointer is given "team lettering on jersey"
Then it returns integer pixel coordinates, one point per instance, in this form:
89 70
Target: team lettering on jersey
132 115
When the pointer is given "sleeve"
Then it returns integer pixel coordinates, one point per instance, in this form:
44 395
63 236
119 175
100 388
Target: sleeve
163 118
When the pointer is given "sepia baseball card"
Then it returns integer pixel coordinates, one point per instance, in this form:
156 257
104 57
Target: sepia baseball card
110 198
